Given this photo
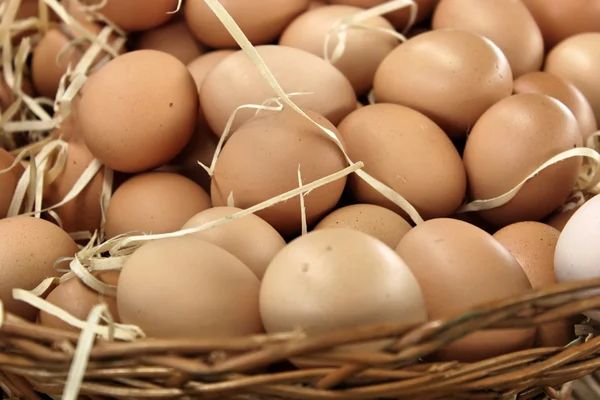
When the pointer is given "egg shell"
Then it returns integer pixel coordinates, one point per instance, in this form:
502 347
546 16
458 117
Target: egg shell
76 298
262 21
236 81
408 152
187 288
364 48
511 140
575 59
135 15
373 220
202 65
138 111
533 244
261 161
154 202
460 266
507 23
471 74
29 247
563 91
334 279
560 19
577 252
8 180
83 213
174 38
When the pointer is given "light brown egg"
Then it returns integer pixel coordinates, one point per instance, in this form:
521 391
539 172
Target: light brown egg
373 220
135 15
8 180
235 81
565 92
533 244
154 202
408 152
173 38
459 266
507 23
560 19
471 74
29 247
262 21
201 66
261 159
250 238
511 140
139 111
76 298
575 59
188 288
364 49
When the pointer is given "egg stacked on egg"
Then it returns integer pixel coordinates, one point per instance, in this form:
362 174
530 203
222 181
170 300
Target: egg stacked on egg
481 94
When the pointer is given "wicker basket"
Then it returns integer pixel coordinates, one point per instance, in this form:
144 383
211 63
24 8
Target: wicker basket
35 359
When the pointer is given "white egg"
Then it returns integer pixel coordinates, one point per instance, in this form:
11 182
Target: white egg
577 254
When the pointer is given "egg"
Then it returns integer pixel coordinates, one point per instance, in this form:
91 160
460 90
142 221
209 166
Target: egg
563 91
373 220
316 4
8 180
334 279
560 19
533 245
235 81
408 152
261 161
458 267
577 252
154 202
203 64
507 23
135 15
574 59
261 21
138 111
510 141
188 288
559 218
173 38
83 213
29 247
77 299
451 76
250 238
364 48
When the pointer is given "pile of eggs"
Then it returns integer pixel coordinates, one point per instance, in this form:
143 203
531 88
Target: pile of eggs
480 94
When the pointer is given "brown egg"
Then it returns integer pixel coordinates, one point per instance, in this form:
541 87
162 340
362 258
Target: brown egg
138 111
560 217
187 288
510 141
373 220
261 21
135 15
201 66
83 213
235 81
400 17
574 59
76 298
8 180
29 247
471 74
565 92
154 202
560 19
408 152
261 159
507 23
459 266
316 4
533 244
364 49
250 238
174 38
